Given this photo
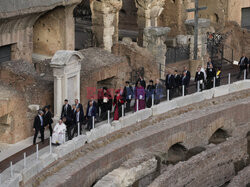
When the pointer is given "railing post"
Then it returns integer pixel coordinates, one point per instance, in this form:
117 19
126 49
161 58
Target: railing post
153 98
50 145
245 74
11 169
214 83
37 152
168 95
108 116
229 78
198 86
137 105
0 179
183 90
78 129
24 160
93 122
122 111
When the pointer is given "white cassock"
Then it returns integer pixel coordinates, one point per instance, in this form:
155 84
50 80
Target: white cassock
59 133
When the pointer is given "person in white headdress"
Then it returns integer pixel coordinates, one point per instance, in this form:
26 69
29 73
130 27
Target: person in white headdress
58 136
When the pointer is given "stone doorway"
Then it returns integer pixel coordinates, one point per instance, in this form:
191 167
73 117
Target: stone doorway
5 53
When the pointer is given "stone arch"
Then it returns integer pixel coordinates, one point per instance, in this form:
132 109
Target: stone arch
248 144
220 123
219 136
50 33
66 71
179 137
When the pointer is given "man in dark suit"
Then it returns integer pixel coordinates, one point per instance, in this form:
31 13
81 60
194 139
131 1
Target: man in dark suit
199 77
91 112
66 109
79 105
78 118
69 125
48 119
177 81
242 65
188 74
38 126
169 83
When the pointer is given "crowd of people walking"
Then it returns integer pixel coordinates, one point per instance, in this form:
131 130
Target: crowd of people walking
125 100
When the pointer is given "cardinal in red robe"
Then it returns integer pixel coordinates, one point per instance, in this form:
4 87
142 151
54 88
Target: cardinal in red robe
118 102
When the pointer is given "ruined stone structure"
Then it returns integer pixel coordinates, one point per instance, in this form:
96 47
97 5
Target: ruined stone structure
21 24
207 132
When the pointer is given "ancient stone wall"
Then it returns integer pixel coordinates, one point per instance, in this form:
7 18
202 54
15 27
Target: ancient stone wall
137 58
174 16
54 31
17 19
30 89
213 167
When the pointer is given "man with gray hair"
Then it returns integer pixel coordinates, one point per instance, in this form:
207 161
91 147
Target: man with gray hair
38 126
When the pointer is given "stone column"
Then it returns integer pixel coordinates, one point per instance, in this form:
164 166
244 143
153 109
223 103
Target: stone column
58 92
69 28
154 40
66 71
105 21
204 26
148 13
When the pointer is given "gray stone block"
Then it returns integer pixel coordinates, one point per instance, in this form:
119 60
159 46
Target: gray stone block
164 107
48 159
80 141
12 182
65 148
31 170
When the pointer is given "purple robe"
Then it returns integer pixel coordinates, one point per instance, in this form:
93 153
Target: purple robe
140 95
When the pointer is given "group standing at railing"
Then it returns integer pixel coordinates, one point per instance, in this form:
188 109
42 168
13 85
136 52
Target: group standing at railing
140 96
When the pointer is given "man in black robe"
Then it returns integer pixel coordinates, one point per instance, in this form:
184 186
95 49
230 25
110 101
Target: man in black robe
177 80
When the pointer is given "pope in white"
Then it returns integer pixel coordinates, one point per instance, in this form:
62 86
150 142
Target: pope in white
58 136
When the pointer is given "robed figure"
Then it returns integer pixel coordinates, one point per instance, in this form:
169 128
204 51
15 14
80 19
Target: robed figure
139 97
58 136
118 102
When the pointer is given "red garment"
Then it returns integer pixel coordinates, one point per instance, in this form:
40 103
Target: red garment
118 101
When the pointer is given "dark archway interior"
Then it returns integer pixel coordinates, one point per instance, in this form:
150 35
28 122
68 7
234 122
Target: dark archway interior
176 153
83 23
128 20
218 137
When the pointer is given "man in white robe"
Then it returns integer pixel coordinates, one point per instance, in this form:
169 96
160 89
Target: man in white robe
58 136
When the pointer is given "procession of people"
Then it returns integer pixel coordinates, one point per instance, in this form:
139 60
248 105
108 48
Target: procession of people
124 100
